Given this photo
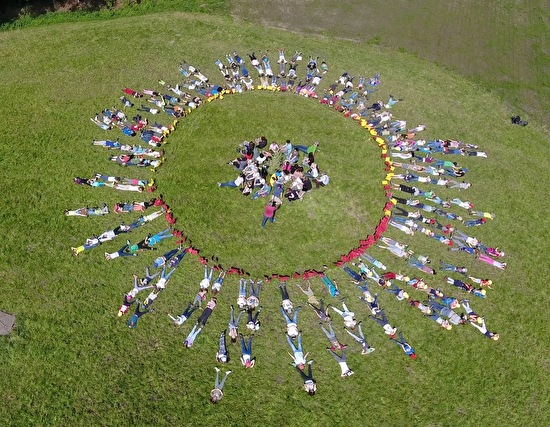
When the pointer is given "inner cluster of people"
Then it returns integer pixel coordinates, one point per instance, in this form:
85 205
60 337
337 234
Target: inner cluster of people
278 171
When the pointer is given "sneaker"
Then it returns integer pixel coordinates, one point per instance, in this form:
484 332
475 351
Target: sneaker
228 372
217 369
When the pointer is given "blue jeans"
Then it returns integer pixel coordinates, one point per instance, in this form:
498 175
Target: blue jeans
246 349
222 347
264 221
228 184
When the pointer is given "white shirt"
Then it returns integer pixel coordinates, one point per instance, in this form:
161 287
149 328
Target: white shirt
287 305
241 301
388 330
111 256
161 284
324 179
108 235
299 358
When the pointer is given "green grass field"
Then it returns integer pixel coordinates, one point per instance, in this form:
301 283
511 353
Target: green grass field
502 45
70 360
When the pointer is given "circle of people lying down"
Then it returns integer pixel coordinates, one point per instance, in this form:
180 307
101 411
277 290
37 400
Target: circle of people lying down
408 160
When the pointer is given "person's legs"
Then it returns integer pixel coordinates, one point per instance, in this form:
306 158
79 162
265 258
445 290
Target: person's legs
228 184
191 335
302 374
487 259
457 234
238 318
255 289
264 221
242 287
164 234
337 310
284 292
197 332
243 345
232 316
355 337
222 347
481 327
220 385
397 342
353 274
466 305
322 304
401 338
148 275
329 333
291 343
379 321
287 319
295 317
436 306
446 312
167 276
336 357
250 345
154 215
122 252
189 310
217 383
359 324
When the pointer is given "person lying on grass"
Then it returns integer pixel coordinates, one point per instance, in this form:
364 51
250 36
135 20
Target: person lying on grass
246 349
342 361
132 323
216 394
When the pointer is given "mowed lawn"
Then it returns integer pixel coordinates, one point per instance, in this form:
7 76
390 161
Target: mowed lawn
71 360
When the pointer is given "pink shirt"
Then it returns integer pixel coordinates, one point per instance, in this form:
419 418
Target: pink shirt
270 211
